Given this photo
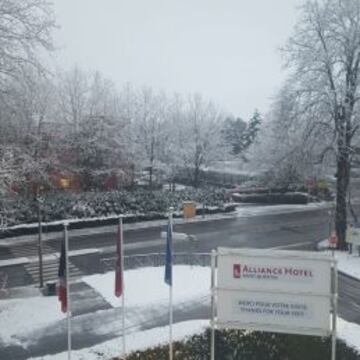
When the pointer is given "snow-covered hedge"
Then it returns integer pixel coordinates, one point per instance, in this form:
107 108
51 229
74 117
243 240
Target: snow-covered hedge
140 203
272 198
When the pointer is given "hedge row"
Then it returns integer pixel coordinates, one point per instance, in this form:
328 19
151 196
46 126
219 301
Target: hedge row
89 208
240 345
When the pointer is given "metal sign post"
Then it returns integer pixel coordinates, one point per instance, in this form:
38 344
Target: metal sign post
334 309
40 245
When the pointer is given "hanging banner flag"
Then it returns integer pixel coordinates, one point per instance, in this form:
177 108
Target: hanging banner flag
62 291
119 276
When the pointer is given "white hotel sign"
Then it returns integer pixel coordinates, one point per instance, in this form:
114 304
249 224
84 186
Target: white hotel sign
274 290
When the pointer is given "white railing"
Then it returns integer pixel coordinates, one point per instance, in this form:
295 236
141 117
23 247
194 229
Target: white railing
158 259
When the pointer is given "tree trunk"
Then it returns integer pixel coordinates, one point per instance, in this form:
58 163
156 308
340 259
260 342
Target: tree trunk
342 178
151 177
196 176
341 208
152 158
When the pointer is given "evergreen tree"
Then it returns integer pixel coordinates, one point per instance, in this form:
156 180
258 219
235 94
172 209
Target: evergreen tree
251 130
239 134
233 133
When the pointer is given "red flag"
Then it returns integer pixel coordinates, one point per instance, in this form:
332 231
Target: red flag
119 276
62 292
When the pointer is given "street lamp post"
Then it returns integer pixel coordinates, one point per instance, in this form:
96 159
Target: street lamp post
40 249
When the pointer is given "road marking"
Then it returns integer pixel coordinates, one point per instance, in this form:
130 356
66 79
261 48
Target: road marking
289 246
16 261
50 261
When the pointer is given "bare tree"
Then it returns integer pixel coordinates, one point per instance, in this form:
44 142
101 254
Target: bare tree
73 91
149 129
25 30
89 108
25 36
324 56
202 142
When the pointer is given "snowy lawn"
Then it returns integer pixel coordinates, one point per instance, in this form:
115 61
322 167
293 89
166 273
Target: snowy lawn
146 286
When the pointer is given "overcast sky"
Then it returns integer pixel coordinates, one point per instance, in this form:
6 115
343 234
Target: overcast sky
227 50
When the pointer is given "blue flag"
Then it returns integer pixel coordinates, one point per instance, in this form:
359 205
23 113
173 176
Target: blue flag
168 256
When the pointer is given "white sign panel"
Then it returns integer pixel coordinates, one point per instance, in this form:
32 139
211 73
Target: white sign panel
280 291
258 270
274 312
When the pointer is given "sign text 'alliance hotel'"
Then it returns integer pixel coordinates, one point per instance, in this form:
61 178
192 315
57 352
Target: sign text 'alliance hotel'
249 271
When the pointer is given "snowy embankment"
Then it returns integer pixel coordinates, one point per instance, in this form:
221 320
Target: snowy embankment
246 210
144 286
348 264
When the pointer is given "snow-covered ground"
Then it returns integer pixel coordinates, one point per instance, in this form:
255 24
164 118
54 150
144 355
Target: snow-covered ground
19 318
135 341
349 332
25 320
23 317
348 264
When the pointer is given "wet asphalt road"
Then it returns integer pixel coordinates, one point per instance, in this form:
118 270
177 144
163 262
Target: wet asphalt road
300 230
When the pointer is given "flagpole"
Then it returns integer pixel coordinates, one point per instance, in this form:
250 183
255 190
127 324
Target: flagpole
171 292
123 290
68 310
212 322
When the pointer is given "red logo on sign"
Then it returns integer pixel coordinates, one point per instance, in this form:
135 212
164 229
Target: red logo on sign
237 271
